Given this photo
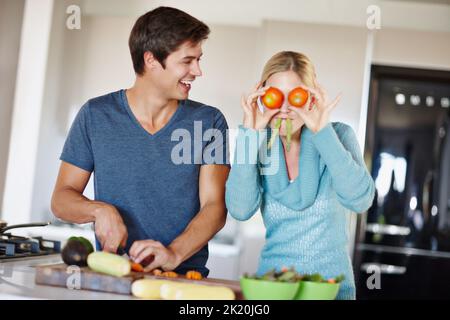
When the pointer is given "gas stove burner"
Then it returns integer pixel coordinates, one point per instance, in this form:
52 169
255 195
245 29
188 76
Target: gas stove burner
12 246
20 247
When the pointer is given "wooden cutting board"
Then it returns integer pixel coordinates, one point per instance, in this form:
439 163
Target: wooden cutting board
58 275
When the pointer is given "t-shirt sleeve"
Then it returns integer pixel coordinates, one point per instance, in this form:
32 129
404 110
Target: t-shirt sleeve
77 149
216 149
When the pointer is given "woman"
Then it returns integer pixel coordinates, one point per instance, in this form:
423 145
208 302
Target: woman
305 204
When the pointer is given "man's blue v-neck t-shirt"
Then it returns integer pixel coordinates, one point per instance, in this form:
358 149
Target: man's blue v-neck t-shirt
152 179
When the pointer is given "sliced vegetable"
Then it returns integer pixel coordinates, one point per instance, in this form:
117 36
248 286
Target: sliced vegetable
169 274
291 275
287 276
156 272
275 132
109 263
284 269
316 277
136 266
194 275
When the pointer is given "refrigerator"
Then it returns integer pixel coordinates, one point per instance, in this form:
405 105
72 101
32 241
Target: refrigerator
402 248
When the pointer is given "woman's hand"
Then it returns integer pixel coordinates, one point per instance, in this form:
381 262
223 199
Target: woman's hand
253 118
316 112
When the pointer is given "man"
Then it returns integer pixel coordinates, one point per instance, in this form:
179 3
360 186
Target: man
146 203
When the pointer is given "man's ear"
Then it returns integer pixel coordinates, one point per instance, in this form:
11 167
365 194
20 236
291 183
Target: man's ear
150 60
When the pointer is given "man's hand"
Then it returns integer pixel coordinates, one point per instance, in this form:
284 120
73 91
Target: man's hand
109 227
163 257
69 204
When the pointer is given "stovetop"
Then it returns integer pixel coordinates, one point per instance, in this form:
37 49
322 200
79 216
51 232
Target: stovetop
15 247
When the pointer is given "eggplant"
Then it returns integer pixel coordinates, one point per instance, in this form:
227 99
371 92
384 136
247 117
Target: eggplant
76 251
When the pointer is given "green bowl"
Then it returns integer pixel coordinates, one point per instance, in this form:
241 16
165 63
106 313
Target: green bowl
254 289
309 290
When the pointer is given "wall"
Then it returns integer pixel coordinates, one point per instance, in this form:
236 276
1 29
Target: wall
11 12
82 64
337 53
421 49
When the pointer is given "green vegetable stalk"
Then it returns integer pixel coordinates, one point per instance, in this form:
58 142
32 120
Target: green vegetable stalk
275 132
288 134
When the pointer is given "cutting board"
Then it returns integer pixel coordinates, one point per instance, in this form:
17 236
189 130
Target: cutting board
58 275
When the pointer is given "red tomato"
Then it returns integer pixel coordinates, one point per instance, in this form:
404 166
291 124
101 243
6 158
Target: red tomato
273 98
298 97
331 281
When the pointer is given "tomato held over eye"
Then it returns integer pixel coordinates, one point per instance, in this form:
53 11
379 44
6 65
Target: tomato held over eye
298 97
273 98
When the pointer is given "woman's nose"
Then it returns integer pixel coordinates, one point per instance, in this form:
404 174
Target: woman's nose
285 106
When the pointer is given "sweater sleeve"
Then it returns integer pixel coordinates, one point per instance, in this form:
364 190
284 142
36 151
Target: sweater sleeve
351 180
243 187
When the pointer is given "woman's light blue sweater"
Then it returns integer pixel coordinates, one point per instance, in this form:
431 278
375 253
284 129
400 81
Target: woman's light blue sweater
306 220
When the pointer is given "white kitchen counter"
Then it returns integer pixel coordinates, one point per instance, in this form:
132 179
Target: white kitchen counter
17 282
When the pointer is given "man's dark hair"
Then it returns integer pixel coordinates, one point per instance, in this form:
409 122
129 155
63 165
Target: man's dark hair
162 31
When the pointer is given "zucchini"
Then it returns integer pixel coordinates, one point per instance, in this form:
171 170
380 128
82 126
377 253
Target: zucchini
187 291
169 289
109 263
147 288
200 292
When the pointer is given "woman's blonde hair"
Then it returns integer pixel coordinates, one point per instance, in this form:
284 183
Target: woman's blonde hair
290 60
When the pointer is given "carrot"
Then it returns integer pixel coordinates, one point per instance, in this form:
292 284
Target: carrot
156 272
194 275
169 274
136 267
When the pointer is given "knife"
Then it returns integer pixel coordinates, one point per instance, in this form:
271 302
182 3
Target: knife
121 252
